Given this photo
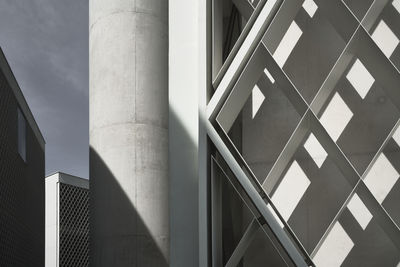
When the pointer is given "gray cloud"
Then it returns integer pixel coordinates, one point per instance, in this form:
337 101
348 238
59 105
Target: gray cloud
46 44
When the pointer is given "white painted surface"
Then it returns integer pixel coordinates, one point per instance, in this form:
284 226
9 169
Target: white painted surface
269 75
381 178
285 198
335 248
257 100
336 117
385 38
396 4
185 82
315 149
51 214
360 78
396 136
287 44
310 7
359 211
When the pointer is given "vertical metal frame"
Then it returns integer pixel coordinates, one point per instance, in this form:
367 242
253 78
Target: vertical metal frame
205 88
58 224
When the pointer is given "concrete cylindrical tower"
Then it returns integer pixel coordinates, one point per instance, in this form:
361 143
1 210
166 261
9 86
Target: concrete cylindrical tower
129 132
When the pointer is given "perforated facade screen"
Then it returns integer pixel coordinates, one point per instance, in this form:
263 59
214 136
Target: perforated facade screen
21 182
73 226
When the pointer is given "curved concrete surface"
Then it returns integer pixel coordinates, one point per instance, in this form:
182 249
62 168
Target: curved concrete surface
129 132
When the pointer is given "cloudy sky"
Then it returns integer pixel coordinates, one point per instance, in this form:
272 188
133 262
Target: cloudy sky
46 44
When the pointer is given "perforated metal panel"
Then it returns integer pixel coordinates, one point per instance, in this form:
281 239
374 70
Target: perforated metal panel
21 190
74 226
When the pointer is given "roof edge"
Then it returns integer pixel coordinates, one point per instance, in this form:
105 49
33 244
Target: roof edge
5 67
69 179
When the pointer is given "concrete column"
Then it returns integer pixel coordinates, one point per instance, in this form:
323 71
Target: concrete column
129 132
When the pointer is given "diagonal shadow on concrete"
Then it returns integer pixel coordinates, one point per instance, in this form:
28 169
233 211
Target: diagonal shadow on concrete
114 240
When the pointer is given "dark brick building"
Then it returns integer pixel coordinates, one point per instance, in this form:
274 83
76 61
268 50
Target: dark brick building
22 182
